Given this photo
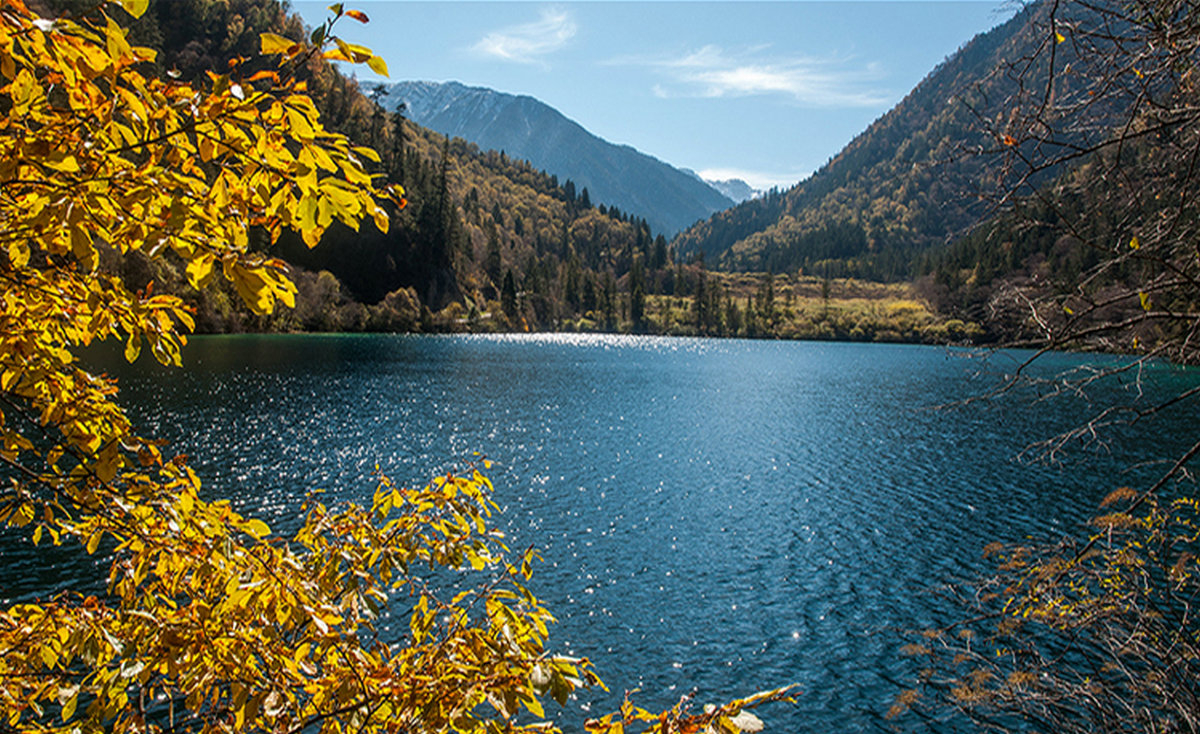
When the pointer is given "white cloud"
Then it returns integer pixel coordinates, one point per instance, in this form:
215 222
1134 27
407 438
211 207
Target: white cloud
706 56
763 180
527 43
712 72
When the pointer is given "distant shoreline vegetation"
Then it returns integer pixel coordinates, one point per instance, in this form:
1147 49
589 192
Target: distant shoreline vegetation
698 303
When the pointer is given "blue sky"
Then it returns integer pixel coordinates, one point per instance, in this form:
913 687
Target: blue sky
764 91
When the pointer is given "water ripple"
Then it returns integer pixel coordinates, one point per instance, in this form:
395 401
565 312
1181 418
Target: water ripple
719 515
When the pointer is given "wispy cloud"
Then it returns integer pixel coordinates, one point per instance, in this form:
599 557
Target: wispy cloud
711 71
529 42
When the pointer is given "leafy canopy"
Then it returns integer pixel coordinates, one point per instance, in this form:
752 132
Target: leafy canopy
211 621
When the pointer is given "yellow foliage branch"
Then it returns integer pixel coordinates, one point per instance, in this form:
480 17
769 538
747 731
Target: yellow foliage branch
212 622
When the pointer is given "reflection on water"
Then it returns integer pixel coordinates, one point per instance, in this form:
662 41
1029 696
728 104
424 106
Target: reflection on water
720 515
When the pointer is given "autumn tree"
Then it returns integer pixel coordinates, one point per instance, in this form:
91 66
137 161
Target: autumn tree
1095 631
210 620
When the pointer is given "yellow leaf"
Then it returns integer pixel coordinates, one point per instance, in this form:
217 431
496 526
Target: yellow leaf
312 236
381 218
18 253
378 65
107 462
257 529
61 162
81 247
94 542
1145 299
274 44
114 35
368 153
8 378
254 289
68 709
324 212
307 212
200 270
1135 244
206 147
344 51
21 91
299 123
1059 37
357 52
136 8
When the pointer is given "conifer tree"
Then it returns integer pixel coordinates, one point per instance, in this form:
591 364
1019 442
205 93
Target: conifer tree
637 295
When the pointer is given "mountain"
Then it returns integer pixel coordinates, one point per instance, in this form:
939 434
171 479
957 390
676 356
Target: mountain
911 182
486 242
525 128
735 189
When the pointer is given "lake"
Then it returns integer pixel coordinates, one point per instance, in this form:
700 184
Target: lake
723 515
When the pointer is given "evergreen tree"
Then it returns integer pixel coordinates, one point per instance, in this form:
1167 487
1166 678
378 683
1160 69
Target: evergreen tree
659 260
733 318
375 132
571 289
637 295
396 156
589 292
609 303
508 296
492 262
700 301
766 301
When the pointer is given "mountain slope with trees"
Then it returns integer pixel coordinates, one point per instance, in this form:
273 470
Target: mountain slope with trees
912 182
484 242
523 127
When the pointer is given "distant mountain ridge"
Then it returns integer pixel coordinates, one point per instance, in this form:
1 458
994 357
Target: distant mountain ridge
525 128
734 188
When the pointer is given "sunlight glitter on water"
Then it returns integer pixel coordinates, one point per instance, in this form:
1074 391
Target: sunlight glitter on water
757 512
694 345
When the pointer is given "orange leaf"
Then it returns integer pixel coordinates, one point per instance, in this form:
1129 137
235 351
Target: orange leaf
264 74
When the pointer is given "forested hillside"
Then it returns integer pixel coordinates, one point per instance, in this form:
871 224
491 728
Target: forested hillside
912 182
485 241
668 198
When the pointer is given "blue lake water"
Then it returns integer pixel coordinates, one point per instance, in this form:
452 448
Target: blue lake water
720 515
